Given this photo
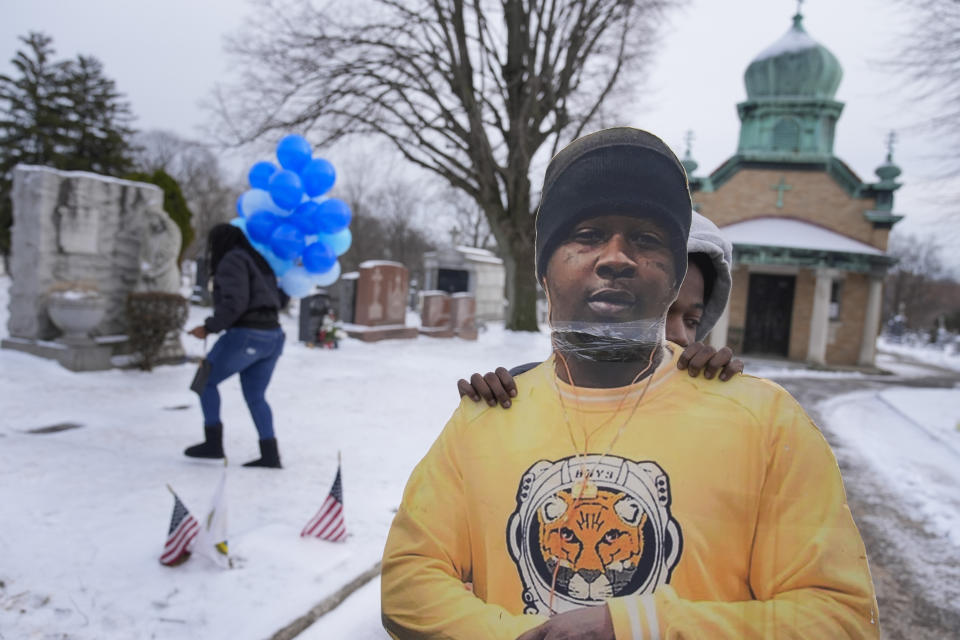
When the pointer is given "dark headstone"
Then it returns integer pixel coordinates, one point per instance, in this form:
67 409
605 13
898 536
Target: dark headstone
313 309
344 293
201 285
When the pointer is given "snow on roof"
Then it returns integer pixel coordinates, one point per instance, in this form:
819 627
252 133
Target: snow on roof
484 259
793 234
792 41
474 254
379 263
474 250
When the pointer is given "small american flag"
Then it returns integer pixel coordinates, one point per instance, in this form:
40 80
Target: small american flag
328 523
183 529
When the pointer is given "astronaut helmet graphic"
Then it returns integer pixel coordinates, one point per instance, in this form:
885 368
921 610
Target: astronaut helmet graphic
580 541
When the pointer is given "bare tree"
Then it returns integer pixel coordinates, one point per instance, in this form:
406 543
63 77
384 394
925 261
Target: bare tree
468 225
388 213
196 169
912 285
929 59
471 90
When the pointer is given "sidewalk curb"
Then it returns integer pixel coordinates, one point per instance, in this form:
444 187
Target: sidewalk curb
326 605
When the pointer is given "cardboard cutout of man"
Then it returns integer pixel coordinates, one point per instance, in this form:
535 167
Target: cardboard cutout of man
619 497
700 302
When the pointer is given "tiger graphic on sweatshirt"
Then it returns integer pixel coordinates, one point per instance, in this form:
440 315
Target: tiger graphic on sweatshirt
597 541
579 542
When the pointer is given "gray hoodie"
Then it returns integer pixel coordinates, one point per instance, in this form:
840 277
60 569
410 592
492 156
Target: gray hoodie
705 237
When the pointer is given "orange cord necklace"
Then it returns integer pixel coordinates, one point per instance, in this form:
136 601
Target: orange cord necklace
579 492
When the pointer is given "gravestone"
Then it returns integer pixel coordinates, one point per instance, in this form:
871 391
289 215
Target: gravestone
443 315
201 285
463 314
344 294
313 309
380 302
80 232
436 314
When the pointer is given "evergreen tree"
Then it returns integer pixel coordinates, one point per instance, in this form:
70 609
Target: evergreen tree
32 114
64 114
99 130
173 203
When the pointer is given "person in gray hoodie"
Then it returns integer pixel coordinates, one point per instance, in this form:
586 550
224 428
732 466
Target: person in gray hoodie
702 298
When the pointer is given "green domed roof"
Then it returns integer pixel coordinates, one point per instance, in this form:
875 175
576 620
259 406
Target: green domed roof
796 65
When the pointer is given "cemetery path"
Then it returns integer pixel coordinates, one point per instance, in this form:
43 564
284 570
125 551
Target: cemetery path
916 571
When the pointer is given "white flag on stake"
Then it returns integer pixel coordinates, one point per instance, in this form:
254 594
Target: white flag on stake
211 542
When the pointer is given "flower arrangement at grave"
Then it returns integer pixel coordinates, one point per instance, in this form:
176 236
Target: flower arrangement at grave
328 334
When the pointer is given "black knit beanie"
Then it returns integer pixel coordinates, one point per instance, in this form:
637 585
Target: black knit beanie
619 171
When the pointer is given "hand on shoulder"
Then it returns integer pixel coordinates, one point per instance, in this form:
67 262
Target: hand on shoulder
493 387
699 357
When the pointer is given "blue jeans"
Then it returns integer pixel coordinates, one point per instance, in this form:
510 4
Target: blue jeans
253 353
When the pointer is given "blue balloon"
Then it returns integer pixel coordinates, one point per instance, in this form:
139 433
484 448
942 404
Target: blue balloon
339 241
328 278
261 224
261 248
307 217
279 266
318 177
240 223
240 204
287 241
318 257
293 152
258 200
286 190
335 214
296 282
260 174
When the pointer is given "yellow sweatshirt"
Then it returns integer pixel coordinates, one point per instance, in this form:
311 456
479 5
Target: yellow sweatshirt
718 512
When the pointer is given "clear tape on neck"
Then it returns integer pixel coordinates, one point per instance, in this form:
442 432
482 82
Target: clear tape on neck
608 342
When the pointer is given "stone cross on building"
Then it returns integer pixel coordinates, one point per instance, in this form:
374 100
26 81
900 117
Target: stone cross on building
780 187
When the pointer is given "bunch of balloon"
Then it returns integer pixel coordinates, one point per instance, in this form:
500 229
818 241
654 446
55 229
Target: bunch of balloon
288 218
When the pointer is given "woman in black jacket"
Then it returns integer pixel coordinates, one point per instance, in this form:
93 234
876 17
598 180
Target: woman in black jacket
246 302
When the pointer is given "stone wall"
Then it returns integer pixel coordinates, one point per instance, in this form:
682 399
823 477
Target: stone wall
72 227
813 197
846 332
738 307
802 313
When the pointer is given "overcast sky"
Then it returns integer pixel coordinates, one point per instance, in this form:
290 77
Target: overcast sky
166 56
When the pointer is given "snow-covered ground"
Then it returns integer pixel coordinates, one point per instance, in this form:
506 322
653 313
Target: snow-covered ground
911 437
945 356
84 512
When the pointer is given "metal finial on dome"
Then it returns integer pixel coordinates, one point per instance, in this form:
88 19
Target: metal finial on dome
689 164
798 16
888 171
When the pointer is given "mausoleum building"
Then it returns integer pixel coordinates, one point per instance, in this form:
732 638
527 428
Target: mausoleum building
809 234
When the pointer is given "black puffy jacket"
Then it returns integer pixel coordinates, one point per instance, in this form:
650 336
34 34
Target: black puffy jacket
243 296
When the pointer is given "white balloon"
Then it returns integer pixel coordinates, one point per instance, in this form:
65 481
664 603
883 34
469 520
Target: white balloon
327 278
259 200
297 282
